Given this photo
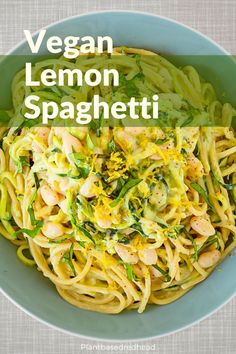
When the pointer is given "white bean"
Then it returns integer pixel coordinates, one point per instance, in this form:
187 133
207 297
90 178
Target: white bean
59 131
87 188
156 157
49 196
194 167
155 273
63 185
125 140
53 230
104 223
70 143
202 226
63 205
208 259
148 256
126 254
43 134
165 147
135 130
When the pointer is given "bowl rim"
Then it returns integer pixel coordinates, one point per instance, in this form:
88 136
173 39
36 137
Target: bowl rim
112 340
145 13
57 327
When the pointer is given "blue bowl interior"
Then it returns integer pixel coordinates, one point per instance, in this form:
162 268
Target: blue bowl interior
36 294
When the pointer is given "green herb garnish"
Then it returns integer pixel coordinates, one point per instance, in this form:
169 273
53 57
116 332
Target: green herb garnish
30 207
111 146
23 161
86 233
70 209
137 227
227 186
73 219
174 231
203 193
187 234
187 121
30 233
96 125
56 149
130 184
27 123
160 141
67 258
210 241
130 88
89 142
129 271
163 272
80 162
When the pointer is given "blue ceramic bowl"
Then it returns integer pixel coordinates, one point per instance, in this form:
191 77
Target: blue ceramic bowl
36 295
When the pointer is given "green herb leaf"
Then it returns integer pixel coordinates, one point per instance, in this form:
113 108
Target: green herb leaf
89 142
4 134
184 152
86 233
67 258
163 272
137 227
30 207
187 121
124 239
96 125
174 231
23 161
130 87
129 271
70 209
160 177
119 185
69 175
57 91
80 162
27 123
210 241
233 192
56 149
111 146
62 239
73 219
227 186
160 141
187 234
37 183
130 184
202 192
163 116
30 233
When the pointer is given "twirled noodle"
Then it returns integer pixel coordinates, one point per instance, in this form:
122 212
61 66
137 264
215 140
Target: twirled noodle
119 217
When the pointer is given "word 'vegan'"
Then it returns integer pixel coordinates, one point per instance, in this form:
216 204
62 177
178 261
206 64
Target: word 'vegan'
69 45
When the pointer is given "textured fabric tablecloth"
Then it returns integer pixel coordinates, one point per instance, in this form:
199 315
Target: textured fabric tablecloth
19 333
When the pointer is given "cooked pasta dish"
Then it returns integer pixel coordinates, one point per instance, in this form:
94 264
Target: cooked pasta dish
122 217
